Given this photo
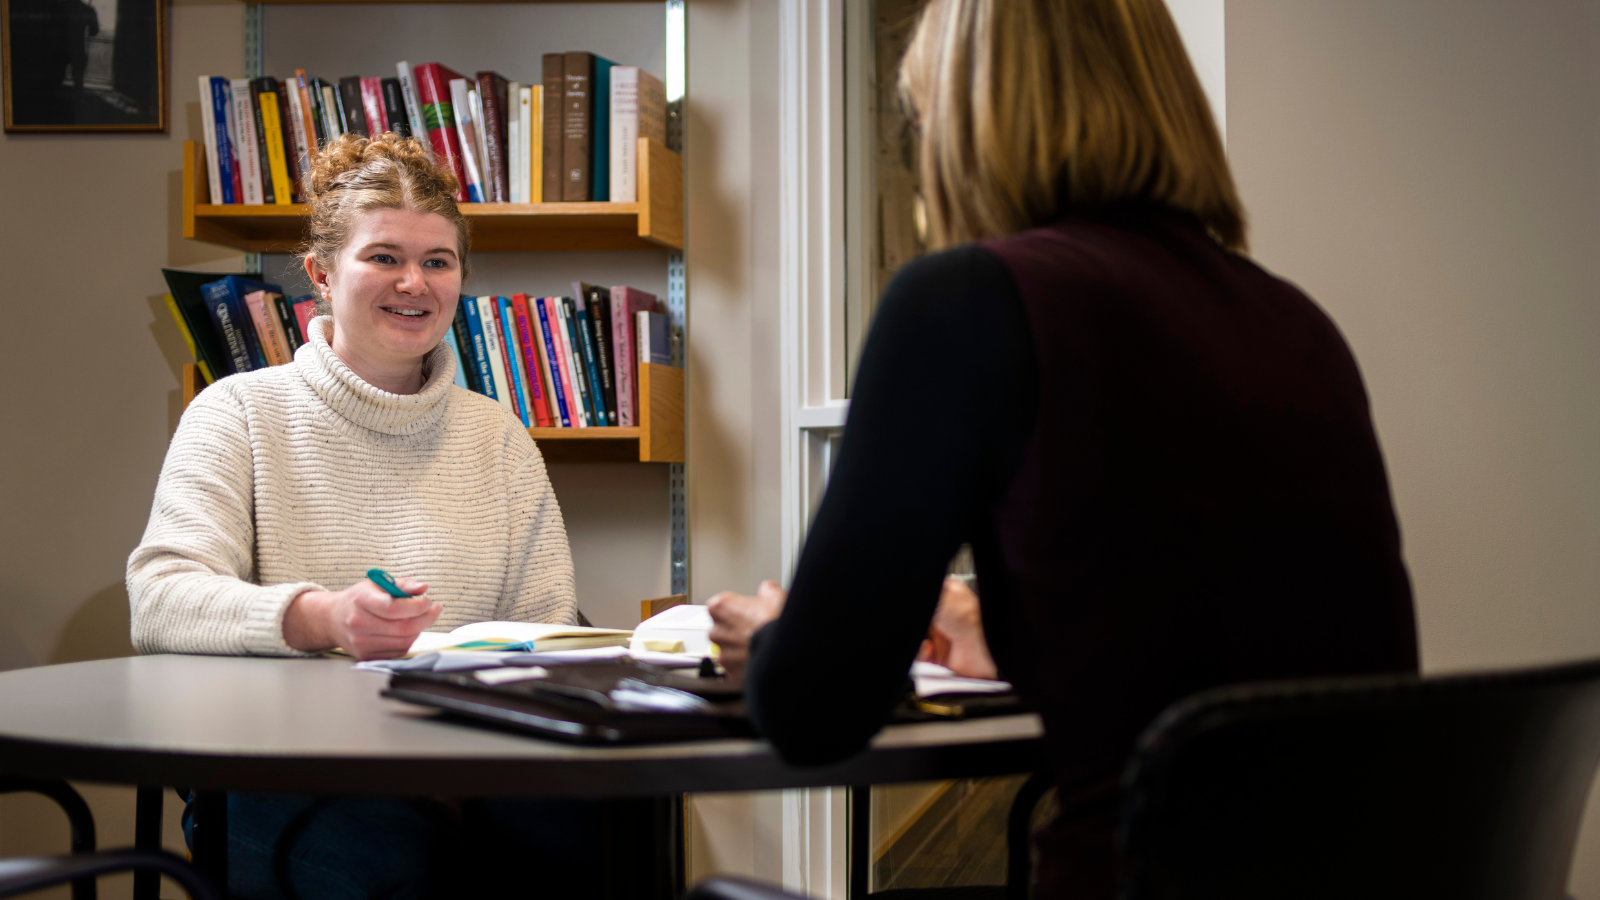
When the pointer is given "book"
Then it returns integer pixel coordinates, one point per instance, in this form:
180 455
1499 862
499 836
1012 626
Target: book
283 307
563 362
372 106
433 92
626 303
598 307
600 131
638 109
275 152
249 149
513 349
547 356
213 112
299 144
654 338
577 125
532 103
487 315
269 336
589 360
332 120
188 338
285 132
305 309
554 75
352 115
225 304
311 105
408 92
514 191
269 184
494 96
396 119
466 131
480 348
461 362
531 637
476 106
187 291
580 373
528 343
231 128
469 362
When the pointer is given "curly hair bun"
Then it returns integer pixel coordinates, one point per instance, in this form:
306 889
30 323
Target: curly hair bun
353 175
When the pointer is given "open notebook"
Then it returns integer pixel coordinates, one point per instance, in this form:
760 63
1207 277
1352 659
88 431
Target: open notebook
534 637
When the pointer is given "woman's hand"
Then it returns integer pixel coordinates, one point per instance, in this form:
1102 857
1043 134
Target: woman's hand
363 619
955 639
736 617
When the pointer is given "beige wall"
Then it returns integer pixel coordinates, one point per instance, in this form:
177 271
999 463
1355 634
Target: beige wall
1430 173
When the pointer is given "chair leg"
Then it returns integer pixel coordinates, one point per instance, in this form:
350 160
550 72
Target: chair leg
147 836
860 842
78 816
1019 837
211 837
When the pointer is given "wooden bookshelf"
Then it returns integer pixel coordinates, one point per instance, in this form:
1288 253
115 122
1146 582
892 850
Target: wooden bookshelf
655 222
658 438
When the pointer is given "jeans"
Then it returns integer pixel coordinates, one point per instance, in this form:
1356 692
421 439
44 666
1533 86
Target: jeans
393 848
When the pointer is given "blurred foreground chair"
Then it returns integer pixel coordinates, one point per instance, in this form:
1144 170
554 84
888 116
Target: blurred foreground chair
1467 787
25 874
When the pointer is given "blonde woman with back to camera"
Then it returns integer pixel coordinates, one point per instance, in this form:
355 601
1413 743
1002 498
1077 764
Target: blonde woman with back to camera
1161 455
283 486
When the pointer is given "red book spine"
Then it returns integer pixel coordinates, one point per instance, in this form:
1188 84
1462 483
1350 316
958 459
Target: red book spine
433 92
530 359
372 106
304 312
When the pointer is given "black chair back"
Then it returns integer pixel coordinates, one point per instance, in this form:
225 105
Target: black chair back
1465 787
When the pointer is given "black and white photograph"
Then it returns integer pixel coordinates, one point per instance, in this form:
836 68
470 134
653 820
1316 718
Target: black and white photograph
84 65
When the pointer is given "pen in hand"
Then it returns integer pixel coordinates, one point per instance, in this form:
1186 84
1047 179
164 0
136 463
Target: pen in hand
381 578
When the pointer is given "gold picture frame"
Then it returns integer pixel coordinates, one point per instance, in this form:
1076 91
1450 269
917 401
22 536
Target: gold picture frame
84 65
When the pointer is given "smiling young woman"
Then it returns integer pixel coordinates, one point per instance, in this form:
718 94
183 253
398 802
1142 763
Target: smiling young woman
283 486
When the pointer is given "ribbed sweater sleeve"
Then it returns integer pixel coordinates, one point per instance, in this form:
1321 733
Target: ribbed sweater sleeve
540 584
190 579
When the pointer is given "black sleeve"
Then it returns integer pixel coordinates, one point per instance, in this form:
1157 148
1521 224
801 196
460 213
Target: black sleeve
942 408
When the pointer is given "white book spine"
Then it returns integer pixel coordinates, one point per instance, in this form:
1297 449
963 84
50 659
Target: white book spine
530 139
641 335
489 314
249 150
485 173
513 149
624 134
408 89
297 130
208 125
330 114
468 136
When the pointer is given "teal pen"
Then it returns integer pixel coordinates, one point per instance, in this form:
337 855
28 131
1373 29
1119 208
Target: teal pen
381 578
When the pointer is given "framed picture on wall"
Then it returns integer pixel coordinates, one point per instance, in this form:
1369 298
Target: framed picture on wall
84 65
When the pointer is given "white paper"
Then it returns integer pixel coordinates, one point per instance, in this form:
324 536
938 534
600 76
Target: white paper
933 680
509 674
504 631
687 623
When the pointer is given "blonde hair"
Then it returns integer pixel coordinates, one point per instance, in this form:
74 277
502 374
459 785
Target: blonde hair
1029 109
355 175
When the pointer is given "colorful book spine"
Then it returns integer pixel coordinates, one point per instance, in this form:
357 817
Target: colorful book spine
469 363
580 375
273 344
332 123
625 302
461 362
282 193
487 316
600 131
466 131
301 141
353 119
514 368
268 186
577 126
591 371
212 112
475 103
433 90
408 91
549 356
396 119
495 97
284 308
311 108
231 129
305 309
244 134
654 338
480 348
532 99
569 372
225 304
600 326
188 338
372 106
528 343
554 79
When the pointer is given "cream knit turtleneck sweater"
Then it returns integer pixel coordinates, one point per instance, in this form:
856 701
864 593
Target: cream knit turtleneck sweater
302 477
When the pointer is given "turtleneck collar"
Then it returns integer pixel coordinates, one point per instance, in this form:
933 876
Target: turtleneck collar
365 405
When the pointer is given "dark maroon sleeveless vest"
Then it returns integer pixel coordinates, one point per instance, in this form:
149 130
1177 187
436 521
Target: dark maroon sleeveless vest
1203 501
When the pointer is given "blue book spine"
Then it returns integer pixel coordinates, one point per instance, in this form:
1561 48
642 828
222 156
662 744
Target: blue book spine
231 289
581 376
600 165
480 353
508 319
236 353
461 363
596 395
550 353
221 98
